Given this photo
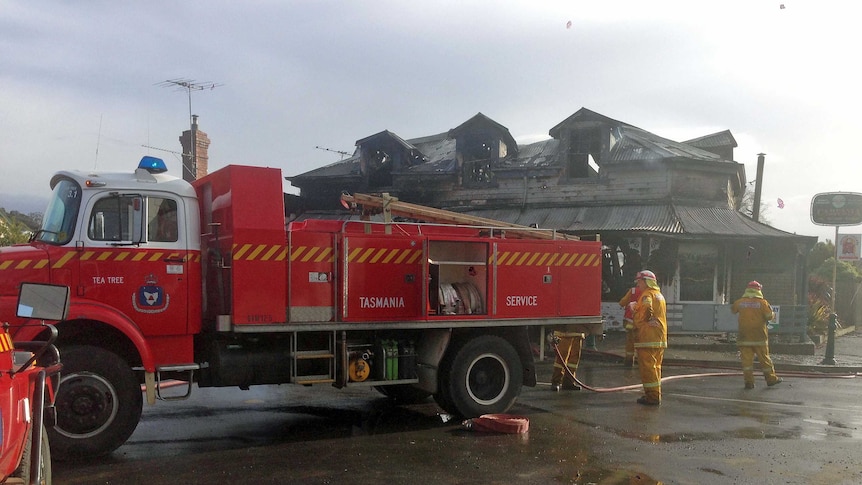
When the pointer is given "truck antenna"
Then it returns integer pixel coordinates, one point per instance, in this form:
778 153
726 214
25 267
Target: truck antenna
98 142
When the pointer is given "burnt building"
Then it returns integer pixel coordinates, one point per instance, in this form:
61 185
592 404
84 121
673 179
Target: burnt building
672 207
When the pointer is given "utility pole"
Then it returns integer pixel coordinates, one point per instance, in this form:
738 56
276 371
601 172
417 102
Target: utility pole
190 85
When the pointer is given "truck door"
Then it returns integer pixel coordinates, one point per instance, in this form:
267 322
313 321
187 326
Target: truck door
134 257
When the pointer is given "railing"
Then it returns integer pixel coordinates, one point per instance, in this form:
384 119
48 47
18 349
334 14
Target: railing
713 318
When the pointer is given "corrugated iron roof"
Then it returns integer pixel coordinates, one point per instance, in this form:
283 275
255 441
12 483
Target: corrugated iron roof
714 140
670 219
346 167
667 219
633 144
539 154
636 144
439 151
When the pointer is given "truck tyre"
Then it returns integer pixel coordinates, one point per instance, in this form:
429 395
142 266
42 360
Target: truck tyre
98 403
23 470
445 403
403 393
483 377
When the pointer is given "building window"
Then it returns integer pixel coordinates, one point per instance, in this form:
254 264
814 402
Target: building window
583 152
697 270
379 166
478 172
479 154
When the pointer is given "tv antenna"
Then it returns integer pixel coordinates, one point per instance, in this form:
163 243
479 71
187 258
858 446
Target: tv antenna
189 85
343 154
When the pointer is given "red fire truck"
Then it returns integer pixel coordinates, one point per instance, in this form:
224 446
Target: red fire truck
28 378
206 283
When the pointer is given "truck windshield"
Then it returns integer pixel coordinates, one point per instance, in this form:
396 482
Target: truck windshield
58 224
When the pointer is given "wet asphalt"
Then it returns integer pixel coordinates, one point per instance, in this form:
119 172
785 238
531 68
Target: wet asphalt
709 430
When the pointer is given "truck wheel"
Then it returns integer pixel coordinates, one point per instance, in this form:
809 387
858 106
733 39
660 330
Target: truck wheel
403 393
23 470
98 403
484 377
445 402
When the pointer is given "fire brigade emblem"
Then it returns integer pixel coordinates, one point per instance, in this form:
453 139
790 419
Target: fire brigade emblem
151 298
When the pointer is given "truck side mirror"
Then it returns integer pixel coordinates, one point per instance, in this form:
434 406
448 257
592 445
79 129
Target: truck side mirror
43 301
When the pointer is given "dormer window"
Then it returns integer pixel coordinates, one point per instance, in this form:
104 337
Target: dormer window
483 149
379 169
480 144
382 154
583 153
479 154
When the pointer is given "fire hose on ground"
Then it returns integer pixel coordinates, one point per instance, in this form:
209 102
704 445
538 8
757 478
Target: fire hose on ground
571 375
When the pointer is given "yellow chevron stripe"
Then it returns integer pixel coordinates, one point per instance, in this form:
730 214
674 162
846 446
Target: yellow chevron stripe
325 255
6 343
309 254
391 255
254 254
237 255
542 259
379 254
365 255
416 255
270 253
297 252
403 256
66 257
105 256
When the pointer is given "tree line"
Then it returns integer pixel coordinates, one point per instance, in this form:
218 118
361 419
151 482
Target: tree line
16 227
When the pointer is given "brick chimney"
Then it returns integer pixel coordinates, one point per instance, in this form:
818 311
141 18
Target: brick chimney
196 156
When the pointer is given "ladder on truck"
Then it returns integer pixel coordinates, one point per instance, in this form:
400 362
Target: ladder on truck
391 206
313 357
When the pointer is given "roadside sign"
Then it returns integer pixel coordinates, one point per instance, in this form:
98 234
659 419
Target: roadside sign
848 247
773 324
837 209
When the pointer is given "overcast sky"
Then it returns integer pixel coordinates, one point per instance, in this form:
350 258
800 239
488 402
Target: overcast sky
79 81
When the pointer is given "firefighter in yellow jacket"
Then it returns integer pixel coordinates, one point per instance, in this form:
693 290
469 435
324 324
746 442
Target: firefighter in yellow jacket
650 322
753 339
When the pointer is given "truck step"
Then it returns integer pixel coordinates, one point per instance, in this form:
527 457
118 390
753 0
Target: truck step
313 354
321 379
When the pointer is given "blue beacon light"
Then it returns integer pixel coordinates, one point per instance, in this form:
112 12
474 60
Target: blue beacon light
153 165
